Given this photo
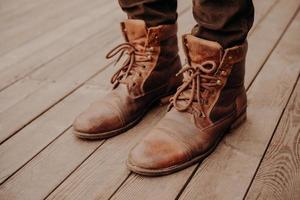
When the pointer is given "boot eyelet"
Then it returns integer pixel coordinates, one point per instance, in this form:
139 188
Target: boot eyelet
223 73
202 114
219 82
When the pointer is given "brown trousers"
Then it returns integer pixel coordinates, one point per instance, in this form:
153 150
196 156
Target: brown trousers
225 21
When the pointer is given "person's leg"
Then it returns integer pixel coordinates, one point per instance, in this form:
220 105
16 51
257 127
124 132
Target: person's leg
153 12
224 21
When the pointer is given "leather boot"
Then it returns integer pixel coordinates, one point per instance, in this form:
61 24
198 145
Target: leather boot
147 74
210 101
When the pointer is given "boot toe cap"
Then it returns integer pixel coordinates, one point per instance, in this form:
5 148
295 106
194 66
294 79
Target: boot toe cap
97 121
156 152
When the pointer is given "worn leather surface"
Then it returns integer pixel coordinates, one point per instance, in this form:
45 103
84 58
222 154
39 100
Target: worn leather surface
190 131
148 74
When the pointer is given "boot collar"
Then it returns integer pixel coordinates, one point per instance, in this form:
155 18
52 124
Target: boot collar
199 50
134 29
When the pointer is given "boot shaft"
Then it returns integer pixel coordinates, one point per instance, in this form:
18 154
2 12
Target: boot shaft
228 76
161 48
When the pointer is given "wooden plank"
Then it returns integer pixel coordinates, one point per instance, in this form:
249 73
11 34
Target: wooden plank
268 32
50 125
52 46
17 92
15 118
14 153
278 176
41 179
239 154
11 10
15 35
75 185
262 9
71 27
67 61
22 113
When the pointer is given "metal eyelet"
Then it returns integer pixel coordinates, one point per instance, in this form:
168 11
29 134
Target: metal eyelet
223 73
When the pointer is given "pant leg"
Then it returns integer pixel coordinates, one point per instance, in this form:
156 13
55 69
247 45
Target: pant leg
153 12
225 21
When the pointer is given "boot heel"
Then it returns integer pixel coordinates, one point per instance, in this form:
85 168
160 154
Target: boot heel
241 119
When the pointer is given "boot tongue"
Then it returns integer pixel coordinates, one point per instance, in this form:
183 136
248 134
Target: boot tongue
134 30
198 50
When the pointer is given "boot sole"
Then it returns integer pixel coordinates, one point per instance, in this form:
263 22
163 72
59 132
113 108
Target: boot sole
165 171
105 135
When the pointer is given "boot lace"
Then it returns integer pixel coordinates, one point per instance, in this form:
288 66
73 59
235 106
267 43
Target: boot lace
137 56
197 84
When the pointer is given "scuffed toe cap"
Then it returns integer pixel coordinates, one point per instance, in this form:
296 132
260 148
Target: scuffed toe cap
97 120
157 151
84 123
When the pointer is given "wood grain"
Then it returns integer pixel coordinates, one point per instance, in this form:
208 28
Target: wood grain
20 32
278 176
36 103
35 54
18 150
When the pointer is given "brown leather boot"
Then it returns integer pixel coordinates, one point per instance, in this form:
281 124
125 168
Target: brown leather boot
147 75
211 100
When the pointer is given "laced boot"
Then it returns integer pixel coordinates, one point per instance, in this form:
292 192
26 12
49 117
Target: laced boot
147 74
210 101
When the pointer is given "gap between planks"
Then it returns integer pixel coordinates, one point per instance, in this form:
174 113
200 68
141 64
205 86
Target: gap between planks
278 175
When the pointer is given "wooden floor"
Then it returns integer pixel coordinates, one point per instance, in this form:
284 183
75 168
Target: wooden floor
52 67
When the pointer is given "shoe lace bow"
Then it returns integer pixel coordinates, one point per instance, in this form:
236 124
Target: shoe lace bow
198 82
137 56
